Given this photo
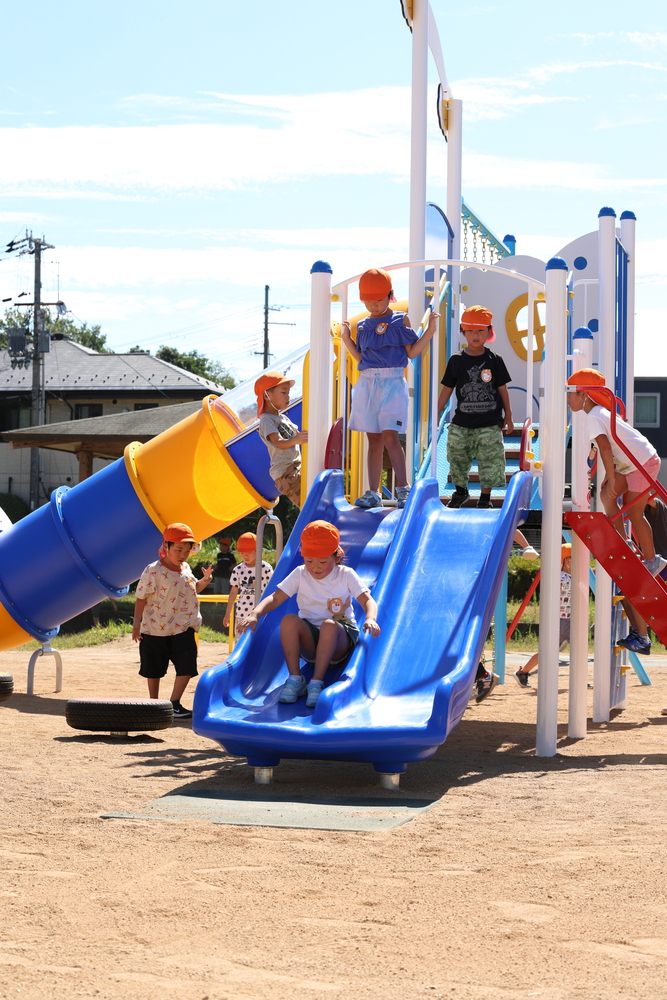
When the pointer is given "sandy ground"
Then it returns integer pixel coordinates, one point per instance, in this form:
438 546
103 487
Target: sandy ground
528 878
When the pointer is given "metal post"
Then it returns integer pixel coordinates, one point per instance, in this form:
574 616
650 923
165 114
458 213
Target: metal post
552 432
417 188
500 629
321 366
578 694
607 365
628 227
530 350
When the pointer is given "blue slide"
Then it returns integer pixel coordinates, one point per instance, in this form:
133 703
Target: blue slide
435 574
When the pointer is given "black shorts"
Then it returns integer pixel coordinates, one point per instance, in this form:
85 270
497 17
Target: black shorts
155 652
352 634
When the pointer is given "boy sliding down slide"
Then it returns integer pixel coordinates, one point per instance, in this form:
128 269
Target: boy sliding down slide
325 631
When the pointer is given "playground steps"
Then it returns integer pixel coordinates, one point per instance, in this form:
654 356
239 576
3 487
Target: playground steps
646 593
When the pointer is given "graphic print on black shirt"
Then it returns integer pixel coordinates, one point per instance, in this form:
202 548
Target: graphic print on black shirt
477 379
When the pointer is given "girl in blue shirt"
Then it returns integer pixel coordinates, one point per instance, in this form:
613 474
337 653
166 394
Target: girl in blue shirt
385 341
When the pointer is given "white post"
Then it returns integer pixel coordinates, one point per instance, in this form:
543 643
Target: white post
435 377
417 185
454 157
321 366
607 365
530 350
552 433
582 343
628 227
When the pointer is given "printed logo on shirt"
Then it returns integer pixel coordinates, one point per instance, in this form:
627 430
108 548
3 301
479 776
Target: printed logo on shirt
381 328
337 608
486 375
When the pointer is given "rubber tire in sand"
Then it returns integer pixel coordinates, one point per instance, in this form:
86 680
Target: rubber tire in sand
119 715
6 686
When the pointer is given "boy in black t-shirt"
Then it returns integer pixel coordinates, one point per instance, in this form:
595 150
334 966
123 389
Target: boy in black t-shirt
483 410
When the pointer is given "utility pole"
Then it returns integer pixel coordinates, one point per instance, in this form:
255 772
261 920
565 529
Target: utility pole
35 246
266 326
267 309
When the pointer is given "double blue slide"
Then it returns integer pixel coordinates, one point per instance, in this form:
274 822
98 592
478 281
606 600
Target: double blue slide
435 574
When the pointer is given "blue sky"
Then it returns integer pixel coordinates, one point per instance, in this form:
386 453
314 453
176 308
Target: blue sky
182 158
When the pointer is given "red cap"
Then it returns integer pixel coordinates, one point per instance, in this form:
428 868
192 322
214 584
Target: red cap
247 542
319 539
224 541
269 380
374 285
178 532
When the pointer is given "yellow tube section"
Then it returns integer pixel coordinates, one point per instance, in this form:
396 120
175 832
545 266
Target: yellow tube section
187 474
11 633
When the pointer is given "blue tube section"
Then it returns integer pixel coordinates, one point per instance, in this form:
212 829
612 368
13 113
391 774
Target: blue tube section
93 539
252 458
436 574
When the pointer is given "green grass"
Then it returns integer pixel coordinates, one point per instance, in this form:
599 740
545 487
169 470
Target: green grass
101 634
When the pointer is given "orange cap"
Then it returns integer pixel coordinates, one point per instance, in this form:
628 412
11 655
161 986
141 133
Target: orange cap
247 542
590 376
374 285
269 380
224 541
478 318
177 532
565 551
319 539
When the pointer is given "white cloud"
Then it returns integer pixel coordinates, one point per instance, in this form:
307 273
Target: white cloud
643 39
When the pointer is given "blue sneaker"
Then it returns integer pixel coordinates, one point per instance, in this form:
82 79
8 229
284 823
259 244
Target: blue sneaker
402 494
314 691
368 500
636 644
293 688
655 565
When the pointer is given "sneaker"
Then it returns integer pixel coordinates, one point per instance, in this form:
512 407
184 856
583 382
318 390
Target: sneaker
485 685
636 644
293 688
530 553
369 499
459 496
484 502
180 712
522 679
655 565
402 493
314 691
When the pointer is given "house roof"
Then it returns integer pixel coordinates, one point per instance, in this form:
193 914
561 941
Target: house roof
71 369
105 437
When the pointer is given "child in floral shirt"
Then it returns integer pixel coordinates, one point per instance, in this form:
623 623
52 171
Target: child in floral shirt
166 615
242 580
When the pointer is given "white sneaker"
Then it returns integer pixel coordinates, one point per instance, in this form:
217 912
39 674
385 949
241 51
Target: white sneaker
314 691
293 688
530 553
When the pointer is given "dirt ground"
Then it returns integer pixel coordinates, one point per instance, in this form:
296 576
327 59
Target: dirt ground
528 877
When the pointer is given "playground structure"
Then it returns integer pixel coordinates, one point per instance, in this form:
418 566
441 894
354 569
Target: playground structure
438 575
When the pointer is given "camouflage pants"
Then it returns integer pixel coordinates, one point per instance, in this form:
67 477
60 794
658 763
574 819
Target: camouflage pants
289 484
483 443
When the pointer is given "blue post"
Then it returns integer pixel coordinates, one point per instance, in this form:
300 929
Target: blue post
500 629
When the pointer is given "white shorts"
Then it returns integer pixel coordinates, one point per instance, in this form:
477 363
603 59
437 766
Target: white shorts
380 401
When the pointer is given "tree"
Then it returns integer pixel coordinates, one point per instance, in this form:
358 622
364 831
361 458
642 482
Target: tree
88 336
198 364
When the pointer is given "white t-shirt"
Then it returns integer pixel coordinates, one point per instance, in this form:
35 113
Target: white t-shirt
327 598
599 422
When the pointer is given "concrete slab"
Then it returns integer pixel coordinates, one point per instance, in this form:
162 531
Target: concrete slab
267 809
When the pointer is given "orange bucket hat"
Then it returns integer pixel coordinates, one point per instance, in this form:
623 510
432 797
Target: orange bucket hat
319 539
247 542
374 284
269 380
590 376
478 318
565 551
